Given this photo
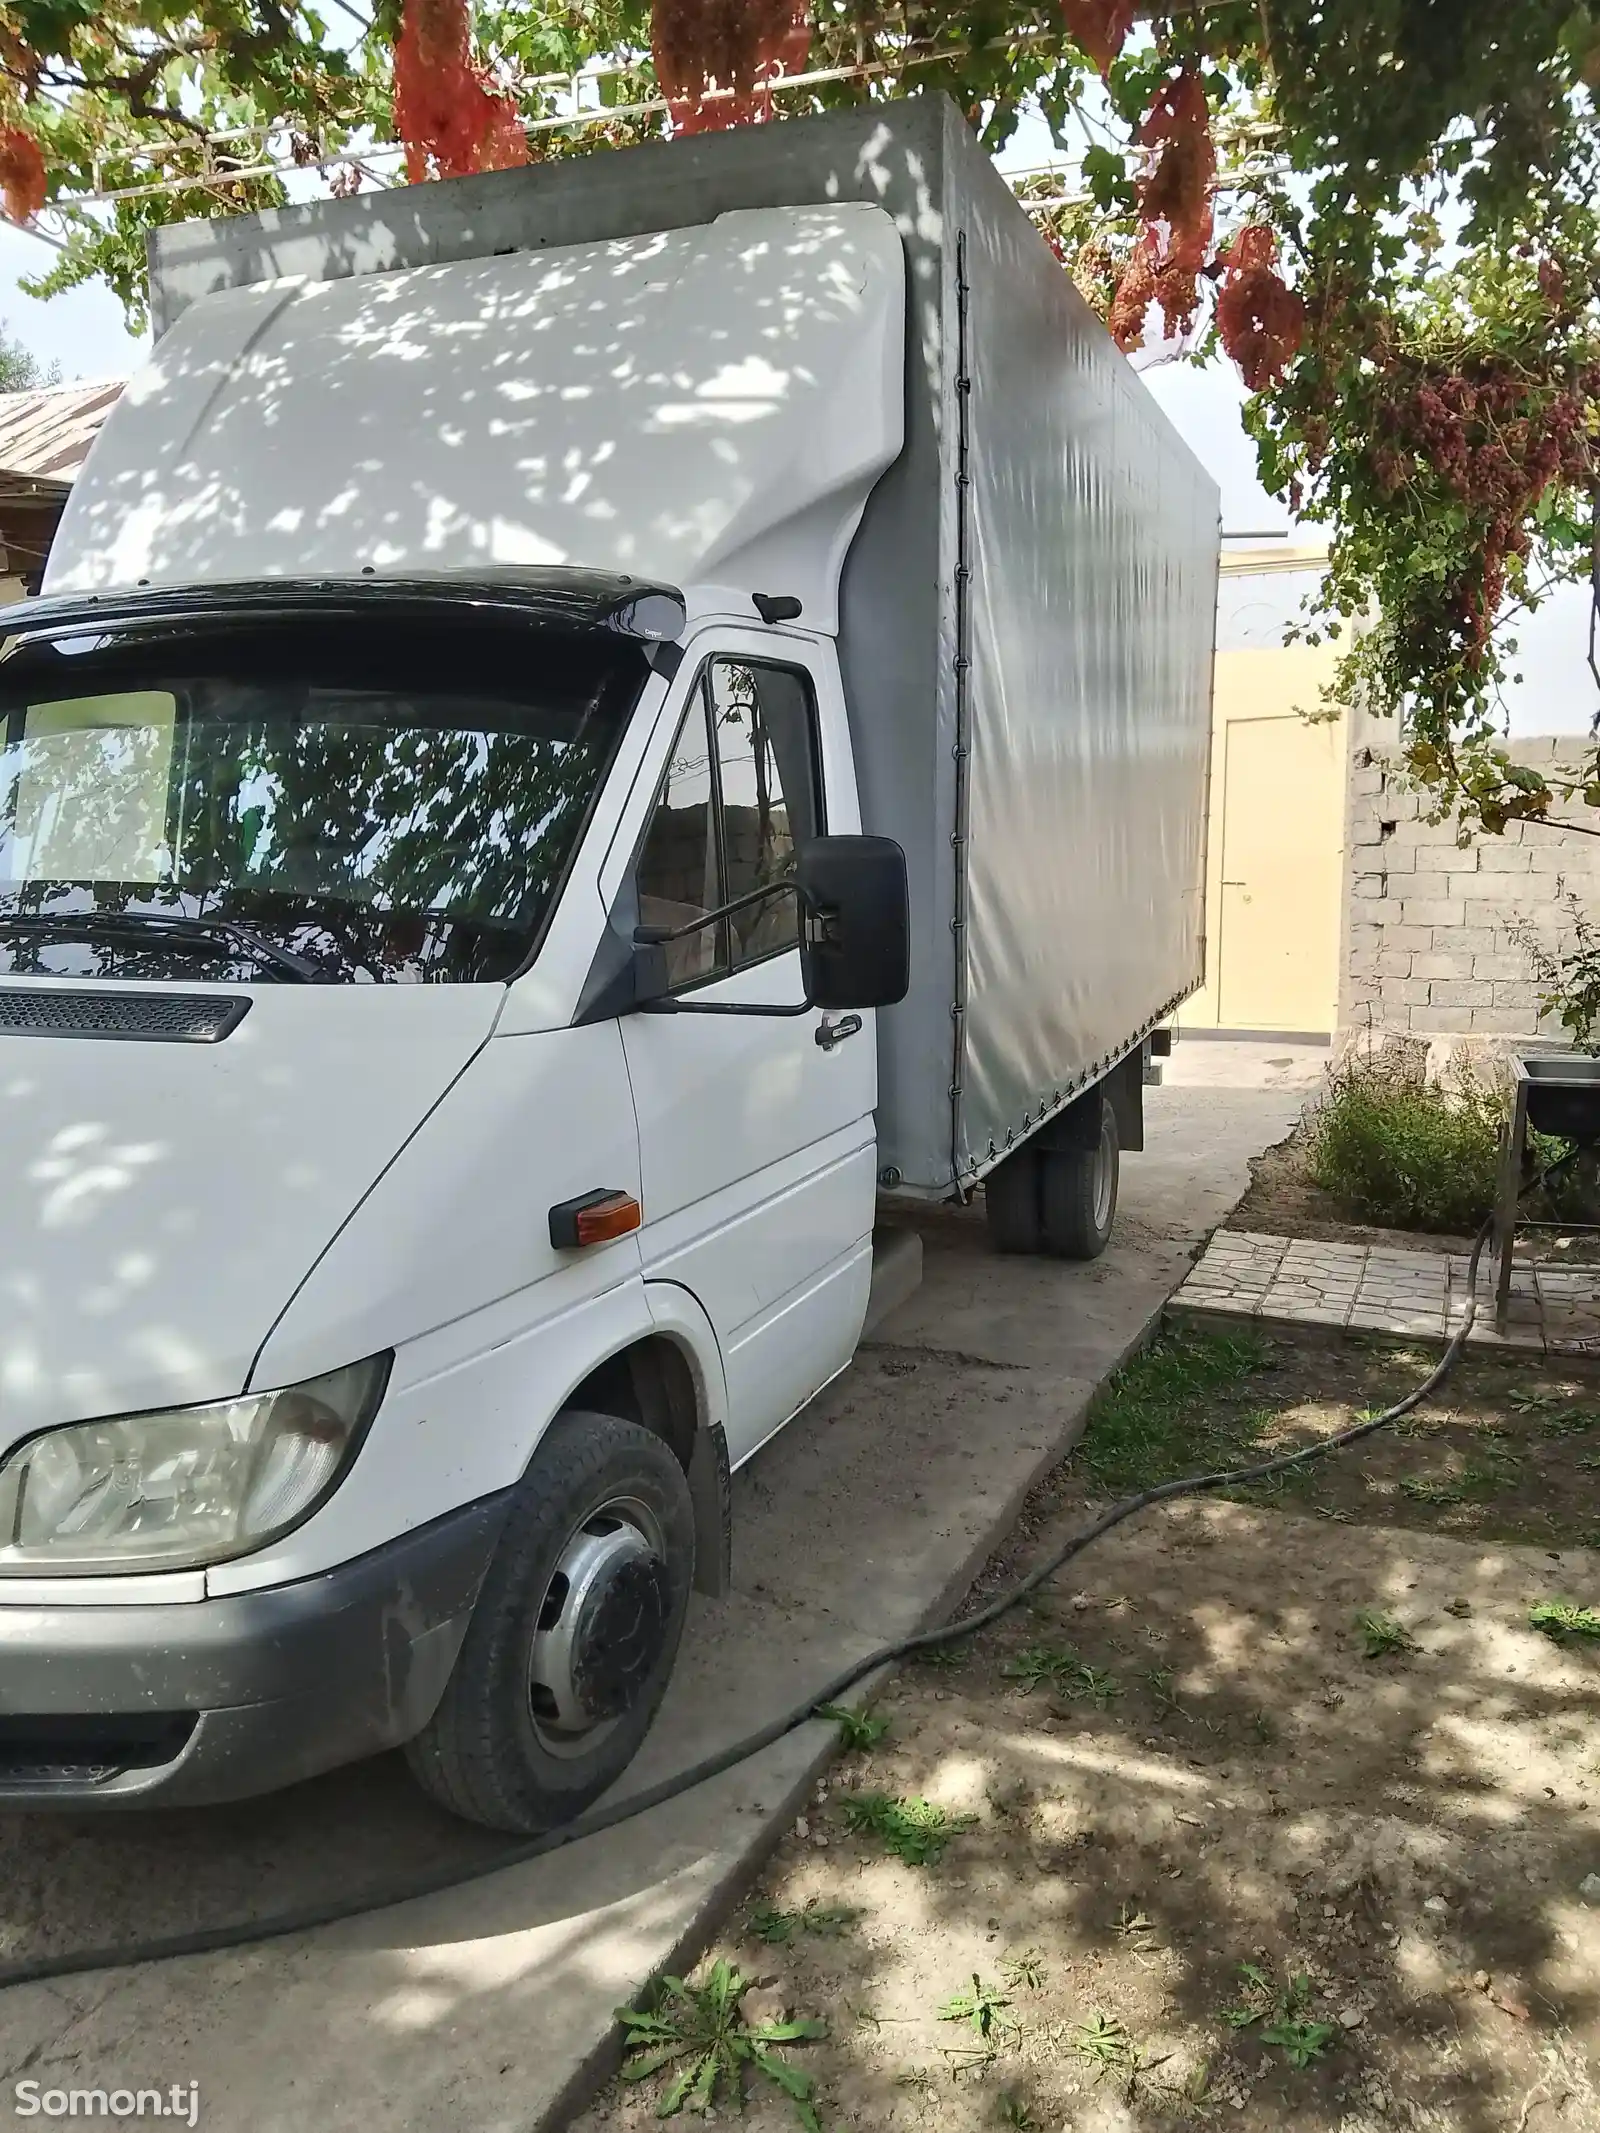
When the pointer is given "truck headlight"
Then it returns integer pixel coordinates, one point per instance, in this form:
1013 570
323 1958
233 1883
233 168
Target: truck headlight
182 1485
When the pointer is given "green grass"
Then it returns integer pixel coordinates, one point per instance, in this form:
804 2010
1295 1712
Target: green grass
1561 1619
1302 2043
941 1656
1161 1684
1570 1421
1257 1998
1049 1666
858 1730
778 1928
1024 1972
1409 1157
1142 1428
700 2034
1557 1413
1476 1479
1421 1489
1383 1636
1282 2011
983 2009
914 1830
1104 2043
1535 1400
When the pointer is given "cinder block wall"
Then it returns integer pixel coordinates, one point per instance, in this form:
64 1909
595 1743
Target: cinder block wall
1428 943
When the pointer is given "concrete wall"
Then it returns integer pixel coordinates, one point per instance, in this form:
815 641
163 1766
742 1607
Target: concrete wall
1429 925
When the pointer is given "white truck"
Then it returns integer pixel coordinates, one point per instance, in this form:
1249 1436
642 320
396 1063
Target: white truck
583 724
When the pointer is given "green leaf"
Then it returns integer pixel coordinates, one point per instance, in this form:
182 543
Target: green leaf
642 2023
858 1730
1302 2043
704 2091
677 2095
1560 1619
799 2031
793 2080
642 2068
1105 174
723 1986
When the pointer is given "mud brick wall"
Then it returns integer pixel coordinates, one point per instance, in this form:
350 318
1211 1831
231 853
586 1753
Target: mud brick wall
1429 926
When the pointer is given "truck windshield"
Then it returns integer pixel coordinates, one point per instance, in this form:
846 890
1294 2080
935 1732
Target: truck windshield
388 801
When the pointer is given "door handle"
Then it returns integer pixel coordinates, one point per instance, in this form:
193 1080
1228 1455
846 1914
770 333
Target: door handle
830 1034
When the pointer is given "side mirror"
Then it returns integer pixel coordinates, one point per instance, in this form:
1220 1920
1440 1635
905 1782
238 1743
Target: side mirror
855 921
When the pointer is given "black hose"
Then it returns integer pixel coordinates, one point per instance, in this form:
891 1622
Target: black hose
246 1933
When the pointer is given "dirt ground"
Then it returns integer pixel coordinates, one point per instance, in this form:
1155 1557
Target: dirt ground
1267 1813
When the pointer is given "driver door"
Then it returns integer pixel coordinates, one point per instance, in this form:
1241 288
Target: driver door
758 1149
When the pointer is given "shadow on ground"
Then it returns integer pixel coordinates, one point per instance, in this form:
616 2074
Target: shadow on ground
1217 1775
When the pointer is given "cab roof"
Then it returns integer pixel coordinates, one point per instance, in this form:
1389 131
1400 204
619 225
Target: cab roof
705 407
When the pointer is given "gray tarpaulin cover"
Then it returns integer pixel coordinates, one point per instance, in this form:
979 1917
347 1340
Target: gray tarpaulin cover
1051 796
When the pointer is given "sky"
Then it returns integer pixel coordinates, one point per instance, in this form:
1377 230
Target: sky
84 332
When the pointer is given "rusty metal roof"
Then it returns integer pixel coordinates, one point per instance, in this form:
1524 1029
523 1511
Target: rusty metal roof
46 434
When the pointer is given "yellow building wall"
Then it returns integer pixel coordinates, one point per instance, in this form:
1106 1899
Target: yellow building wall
1275 846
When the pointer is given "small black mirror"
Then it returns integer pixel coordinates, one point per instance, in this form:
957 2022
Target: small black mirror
855 921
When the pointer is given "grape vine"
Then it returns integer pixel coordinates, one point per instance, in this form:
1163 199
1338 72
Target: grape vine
1381 210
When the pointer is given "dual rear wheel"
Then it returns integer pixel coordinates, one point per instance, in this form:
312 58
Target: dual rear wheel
1058 1201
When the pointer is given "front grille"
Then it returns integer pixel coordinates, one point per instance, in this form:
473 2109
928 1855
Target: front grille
153 1017
88 1750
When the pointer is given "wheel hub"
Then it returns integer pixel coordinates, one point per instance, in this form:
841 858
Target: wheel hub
602 1629
621 1637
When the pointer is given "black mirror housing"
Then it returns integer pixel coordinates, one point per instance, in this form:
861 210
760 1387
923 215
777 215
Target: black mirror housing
855 926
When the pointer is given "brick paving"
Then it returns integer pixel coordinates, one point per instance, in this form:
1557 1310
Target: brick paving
1362 1288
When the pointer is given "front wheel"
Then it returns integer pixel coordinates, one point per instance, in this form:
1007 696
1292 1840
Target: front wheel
1078 1192
572 1642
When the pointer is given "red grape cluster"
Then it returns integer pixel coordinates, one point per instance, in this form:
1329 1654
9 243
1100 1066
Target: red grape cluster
446 111
742 45
1100 27
1261 322
1175 209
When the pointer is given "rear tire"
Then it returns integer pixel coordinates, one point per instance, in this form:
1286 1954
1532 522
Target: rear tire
1078 1192
572 1641
1011 1203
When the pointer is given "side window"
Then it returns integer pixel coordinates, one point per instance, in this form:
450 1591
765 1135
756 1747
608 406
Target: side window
741 791
679 874
767 770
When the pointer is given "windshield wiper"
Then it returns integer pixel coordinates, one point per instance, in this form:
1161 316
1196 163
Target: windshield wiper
209 932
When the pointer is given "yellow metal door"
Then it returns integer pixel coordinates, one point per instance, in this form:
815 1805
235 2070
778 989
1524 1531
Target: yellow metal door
1282 857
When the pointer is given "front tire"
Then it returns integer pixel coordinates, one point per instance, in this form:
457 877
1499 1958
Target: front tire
573 1638
1078 1192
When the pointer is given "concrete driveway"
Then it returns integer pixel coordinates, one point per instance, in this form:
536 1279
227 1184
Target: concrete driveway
489 2009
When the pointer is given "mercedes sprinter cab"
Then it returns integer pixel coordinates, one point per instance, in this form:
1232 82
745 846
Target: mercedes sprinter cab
390 1283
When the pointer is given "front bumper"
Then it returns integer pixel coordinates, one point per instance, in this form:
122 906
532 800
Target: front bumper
222 1699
